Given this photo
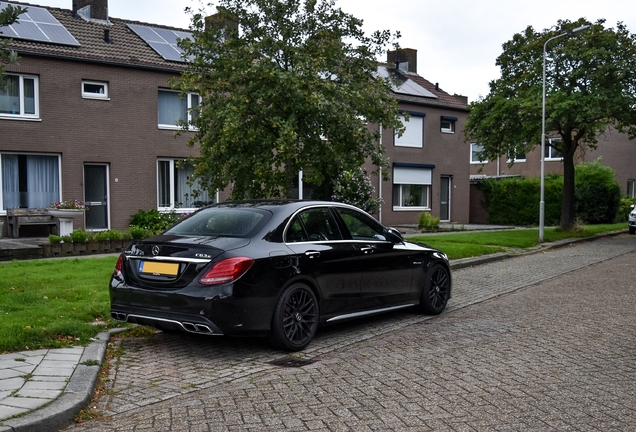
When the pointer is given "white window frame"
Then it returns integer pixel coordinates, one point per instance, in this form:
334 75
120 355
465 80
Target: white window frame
189 105
21 115
413 136
516 158
173 205
631 183
408 176
3 211
549 150
473 152
447 125
103 95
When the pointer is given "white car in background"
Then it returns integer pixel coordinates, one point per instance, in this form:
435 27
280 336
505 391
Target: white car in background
632 220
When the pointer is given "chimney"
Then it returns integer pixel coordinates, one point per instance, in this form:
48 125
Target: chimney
404 59
221 21
91 9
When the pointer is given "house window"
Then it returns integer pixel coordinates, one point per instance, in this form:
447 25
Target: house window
552 153
175 108
475 154
516 156
19 97
447 124
412 187
174 190
29 181
630 188
413 135
95 90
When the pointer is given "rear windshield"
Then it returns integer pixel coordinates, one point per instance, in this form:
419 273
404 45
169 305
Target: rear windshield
221 222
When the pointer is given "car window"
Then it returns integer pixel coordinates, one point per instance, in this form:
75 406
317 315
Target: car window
361 226
316 224
219 222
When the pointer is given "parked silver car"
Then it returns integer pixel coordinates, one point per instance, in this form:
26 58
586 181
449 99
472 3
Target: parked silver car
632 220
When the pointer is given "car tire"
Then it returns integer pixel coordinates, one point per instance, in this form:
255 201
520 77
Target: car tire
295 318
436 290
632 230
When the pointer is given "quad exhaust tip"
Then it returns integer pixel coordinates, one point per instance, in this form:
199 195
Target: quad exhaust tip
186 326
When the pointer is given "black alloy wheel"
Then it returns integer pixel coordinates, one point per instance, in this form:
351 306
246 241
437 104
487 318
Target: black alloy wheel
436 290
295 319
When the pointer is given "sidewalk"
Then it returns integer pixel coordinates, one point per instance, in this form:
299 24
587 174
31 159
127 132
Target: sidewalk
45 389
50 386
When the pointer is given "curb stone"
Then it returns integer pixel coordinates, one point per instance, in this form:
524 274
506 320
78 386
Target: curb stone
76 396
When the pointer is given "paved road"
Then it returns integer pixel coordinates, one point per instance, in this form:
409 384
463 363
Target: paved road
526 344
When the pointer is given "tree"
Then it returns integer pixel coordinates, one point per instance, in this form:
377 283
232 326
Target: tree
286 85
590 88
8 16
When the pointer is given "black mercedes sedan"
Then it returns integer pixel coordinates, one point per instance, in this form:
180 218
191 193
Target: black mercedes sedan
275 268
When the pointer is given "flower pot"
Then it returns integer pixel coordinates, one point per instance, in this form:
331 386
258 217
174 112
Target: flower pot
65 218
65 213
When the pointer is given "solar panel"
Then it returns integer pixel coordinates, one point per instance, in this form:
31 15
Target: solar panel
37 24
163 41
407 87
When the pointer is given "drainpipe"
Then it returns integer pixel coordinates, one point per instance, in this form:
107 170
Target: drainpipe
380 184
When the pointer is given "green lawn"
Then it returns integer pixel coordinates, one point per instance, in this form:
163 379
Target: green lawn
53 303
64 302
466 244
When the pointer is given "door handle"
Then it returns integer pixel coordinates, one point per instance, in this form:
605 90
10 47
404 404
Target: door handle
367 250
312 254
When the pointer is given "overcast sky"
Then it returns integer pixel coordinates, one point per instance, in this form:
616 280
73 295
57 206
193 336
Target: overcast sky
457 41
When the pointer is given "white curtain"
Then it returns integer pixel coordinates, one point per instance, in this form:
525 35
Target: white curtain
171 108
42 181
10 182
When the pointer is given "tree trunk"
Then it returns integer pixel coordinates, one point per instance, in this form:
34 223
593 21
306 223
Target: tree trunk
567 200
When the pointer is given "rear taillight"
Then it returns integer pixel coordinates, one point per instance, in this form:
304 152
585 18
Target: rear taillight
119 266
227 270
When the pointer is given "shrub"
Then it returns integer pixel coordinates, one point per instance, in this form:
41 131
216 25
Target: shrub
137 232
79 236
515 201
153 220
109 235
597 194
355 188
428 222
102 235
55 239
624 208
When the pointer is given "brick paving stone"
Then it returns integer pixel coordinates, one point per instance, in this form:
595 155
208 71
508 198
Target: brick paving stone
537 342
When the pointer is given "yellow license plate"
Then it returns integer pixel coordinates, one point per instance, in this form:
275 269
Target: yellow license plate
159 268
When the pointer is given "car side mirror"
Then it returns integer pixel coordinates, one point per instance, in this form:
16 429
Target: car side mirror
393 235
632 206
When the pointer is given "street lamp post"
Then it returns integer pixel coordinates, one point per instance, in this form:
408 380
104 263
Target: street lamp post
542 202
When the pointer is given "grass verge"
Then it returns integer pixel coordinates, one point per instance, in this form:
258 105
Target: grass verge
468 244
53 303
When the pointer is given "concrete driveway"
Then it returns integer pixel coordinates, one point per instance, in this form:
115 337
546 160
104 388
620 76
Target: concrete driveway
539 342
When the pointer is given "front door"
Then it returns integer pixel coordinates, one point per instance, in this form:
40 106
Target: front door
96 196
444 198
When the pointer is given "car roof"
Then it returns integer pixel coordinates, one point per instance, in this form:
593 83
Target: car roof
275 205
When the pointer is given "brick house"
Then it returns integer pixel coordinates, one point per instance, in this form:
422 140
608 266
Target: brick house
614 148
88 114
428 169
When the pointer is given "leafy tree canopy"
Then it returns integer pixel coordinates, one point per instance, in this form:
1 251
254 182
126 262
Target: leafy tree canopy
291 88
8 16
590 88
